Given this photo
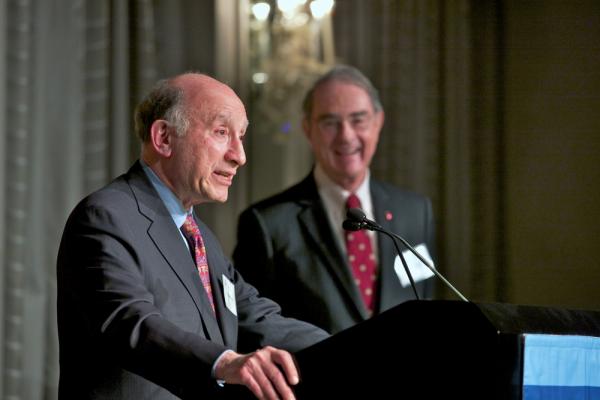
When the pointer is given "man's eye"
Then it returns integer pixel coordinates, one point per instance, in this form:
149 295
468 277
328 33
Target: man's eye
360 122
329 123
222 132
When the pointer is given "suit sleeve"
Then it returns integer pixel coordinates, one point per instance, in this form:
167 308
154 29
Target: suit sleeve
106 309
261 322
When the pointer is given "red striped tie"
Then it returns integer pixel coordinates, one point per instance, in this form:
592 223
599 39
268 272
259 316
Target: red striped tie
191 230
362 259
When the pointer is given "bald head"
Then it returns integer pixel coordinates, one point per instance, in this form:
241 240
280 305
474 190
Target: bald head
171 100
192 127
197 83
203 93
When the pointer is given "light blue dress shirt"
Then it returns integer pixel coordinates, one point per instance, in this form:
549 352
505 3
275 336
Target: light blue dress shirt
174 206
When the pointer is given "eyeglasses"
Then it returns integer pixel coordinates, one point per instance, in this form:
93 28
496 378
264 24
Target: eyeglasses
332 124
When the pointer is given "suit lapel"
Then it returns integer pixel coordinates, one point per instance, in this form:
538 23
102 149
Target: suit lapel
166 237
314 221
389 285
226 319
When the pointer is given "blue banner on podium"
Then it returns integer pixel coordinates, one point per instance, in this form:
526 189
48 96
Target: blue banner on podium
559 367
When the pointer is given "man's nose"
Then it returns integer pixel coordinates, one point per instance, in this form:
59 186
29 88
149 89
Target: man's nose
236 152
346 129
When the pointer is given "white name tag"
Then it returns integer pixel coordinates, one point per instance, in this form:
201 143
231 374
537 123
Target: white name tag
229 294
418 271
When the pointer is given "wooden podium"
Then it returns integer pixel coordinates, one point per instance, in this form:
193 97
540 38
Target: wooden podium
434 350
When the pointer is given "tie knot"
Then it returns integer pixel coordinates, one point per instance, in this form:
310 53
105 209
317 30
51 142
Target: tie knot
190 228
352 201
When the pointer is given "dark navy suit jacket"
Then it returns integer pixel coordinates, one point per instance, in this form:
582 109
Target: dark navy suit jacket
287 249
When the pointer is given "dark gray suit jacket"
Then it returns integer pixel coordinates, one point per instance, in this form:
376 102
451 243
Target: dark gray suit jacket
287 249
134 320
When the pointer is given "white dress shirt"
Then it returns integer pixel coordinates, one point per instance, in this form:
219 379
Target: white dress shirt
334 199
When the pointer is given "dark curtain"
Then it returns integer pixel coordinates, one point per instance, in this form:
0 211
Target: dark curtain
437 65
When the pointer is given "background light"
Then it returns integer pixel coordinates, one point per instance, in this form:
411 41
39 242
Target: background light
288 7
261 11
260 78
320 8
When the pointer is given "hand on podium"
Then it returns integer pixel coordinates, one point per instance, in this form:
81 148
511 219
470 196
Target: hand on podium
267 373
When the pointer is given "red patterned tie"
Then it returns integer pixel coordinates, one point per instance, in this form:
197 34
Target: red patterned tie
362 259
191 230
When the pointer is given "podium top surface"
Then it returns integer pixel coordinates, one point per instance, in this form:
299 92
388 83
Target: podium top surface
504 318
516 319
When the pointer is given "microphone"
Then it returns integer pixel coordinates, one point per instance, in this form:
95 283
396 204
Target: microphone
357 218
352 225
358 221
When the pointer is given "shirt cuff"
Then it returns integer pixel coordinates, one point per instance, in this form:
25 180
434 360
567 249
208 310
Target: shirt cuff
220 382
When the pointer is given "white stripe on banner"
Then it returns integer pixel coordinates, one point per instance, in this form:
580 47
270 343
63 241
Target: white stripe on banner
553 360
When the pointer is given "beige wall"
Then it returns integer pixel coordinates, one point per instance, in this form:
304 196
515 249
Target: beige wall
552 148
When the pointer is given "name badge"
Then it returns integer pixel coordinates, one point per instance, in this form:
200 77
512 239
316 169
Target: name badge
418 271
229 293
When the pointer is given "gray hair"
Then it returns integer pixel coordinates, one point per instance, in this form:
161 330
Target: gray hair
346 74
164 101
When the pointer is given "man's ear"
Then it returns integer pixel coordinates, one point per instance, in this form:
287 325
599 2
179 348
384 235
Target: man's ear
380 119
161 137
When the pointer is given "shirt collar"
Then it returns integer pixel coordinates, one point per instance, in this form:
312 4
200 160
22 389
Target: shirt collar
174 206
334 198
338 195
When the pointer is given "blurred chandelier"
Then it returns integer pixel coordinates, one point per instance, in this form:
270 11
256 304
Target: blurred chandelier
289 32
290 44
